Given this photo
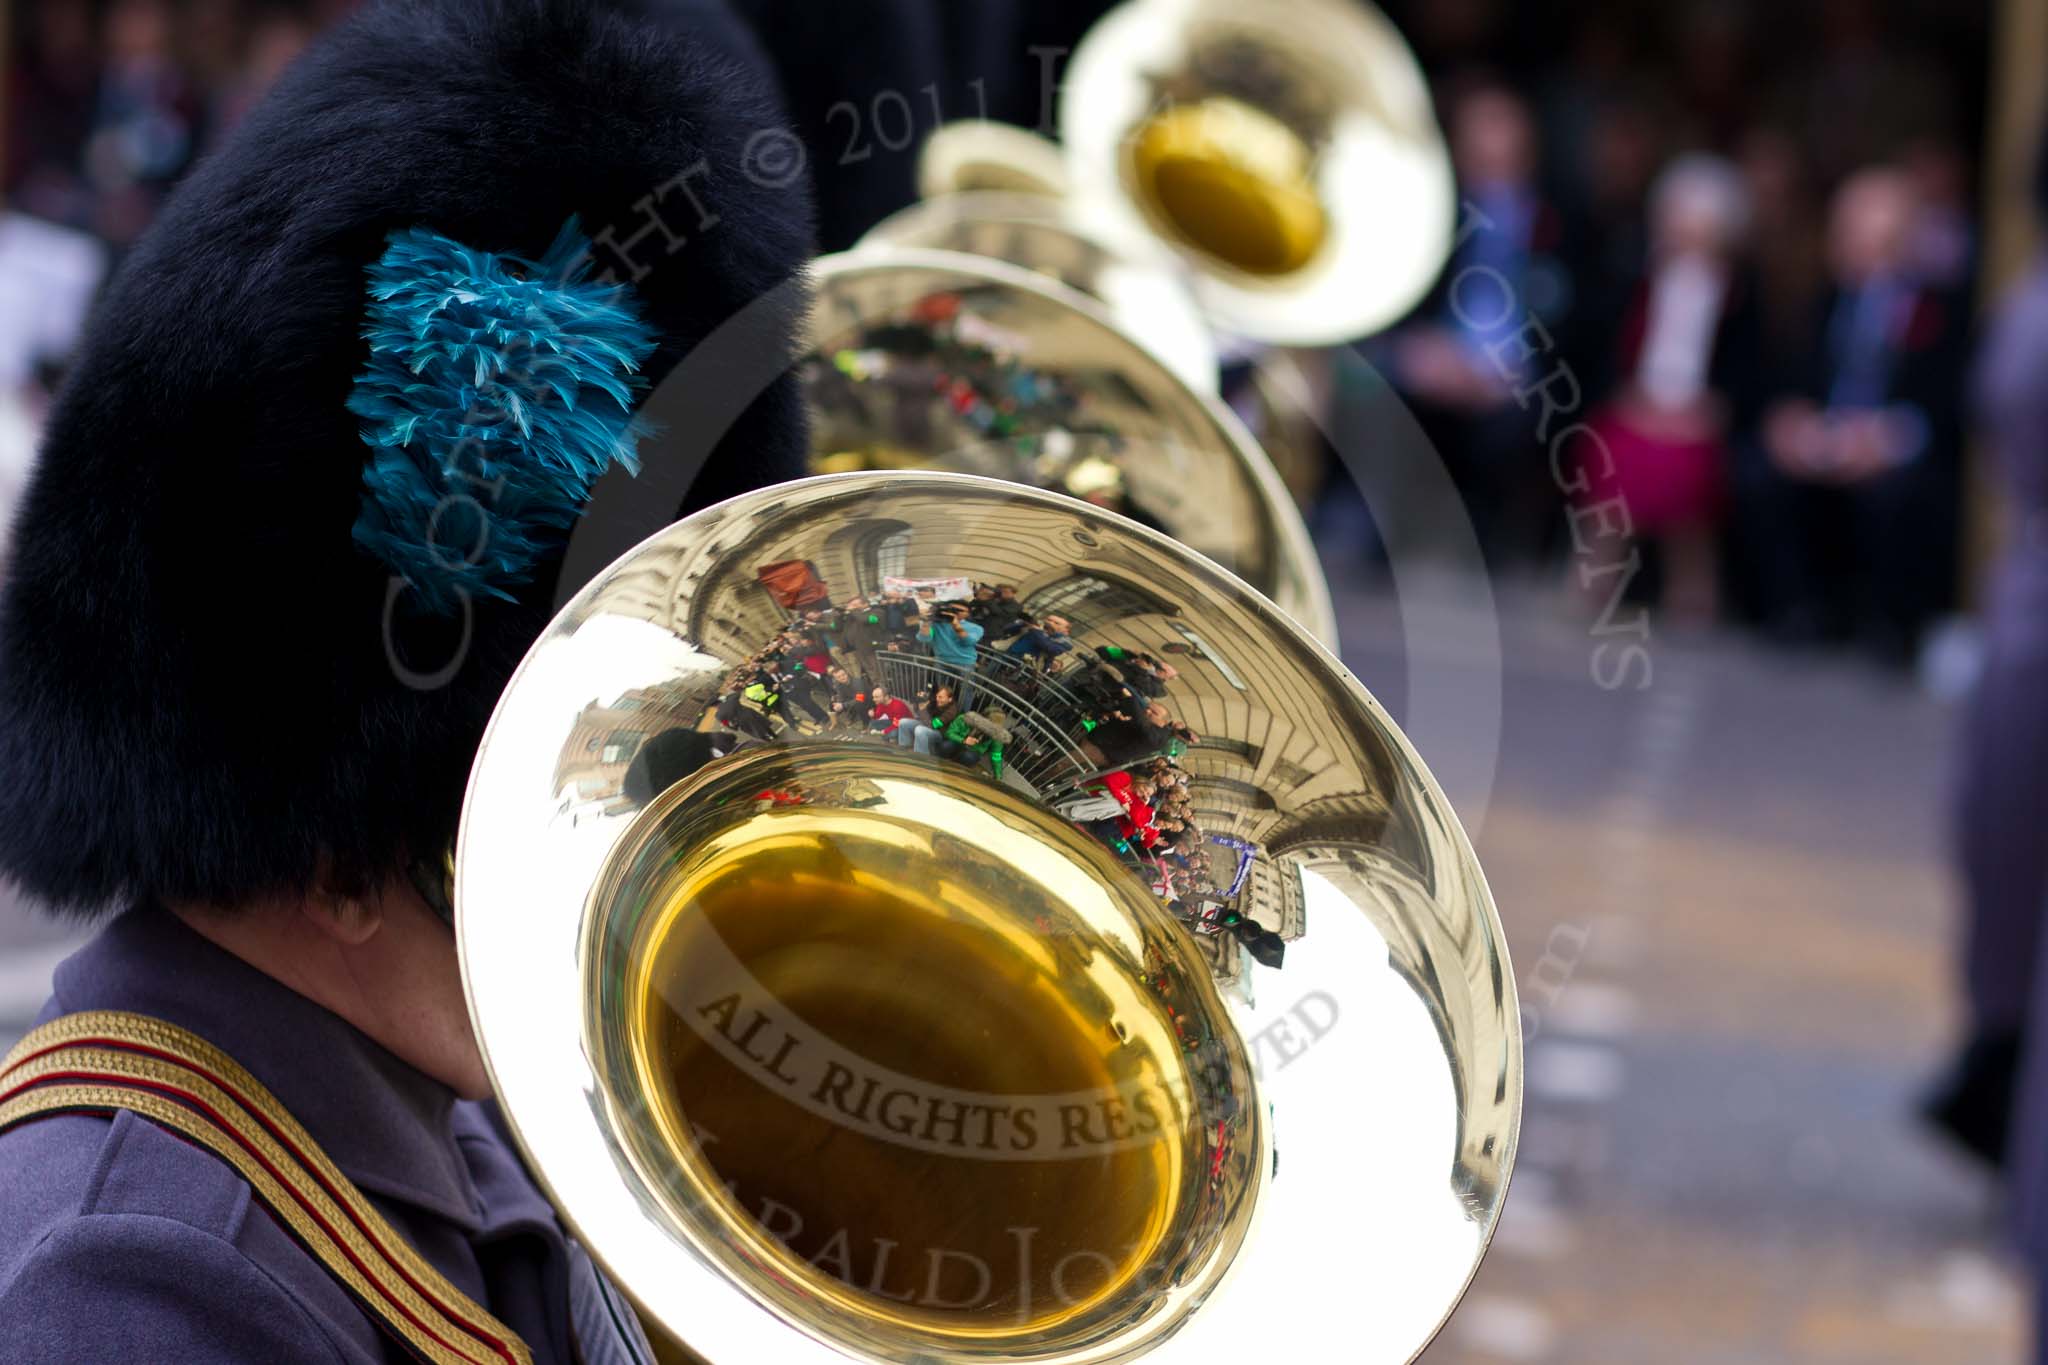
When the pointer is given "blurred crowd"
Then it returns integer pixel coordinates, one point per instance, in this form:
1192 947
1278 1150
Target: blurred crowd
1744 239
1705 335
109 101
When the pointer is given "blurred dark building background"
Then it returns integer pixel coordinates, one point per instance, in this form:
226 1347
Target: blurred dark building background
1606 143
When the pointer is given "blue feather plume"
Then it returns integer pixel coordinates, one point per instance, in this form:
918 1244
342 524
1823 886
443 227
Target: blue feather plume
498 390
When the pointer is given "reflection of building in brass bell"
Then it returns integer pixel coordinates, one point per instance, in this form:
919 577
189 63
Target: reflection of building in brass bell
1018 378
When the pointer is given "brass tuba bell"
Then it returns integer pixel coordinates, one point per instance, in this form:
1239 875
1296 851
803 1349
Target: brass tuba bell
1283 158
1137 994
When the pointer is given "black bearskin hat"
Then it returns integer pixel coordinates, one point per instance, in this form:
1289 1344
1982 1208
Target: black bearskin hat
226 670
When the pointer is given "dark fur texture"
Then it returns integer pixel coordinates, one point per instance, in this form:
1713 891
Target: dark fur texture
195 697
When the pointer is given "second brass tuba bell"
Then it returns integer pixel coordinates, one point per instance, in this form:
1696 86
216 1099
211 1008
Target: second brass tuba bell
941 360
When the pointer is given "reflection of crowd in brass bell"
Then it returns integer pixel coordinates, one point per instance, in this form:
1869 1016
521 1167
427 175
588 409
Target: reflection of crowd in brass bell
964 673
944 379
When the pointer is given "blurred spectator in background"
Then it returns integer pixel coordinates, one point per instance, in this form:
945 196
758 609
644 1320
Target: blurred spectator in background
1785 244
1944 238
1609 169
1868 85
107 106
145 123
1716 60
275 38
52 86
1663 431
1503 269
1849 487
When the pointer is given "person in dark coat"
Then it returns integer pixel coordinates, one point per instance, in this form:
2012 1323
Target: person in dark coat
1440 359
1121 740
1142 673
1043 641
1994 1101
1004 612
1686 341
2001 796
848 700
271 574
1846 496
1101 687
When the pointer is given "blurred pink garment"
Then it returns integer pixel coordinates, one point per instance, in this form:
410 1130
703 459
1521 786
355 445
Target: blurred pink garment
1661 450
1667 482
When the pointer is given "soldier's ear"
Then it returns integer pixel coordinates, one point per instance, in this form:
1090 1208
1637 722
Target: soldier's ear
352 920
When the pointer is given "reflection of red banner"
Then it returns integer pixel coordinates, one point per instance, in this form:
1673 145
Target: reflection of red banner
793 583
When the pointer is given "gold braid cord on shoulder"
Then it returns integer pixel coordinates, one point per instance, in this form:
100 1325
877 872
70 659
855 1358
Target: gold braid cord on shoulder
106 1060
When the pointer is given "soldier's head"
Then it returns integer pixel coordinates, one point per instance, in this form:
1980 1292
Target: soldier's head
305 500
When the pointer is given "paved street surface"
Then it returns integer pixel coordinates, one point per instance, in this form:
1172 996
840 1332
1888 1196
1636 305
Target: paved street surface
1728 906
